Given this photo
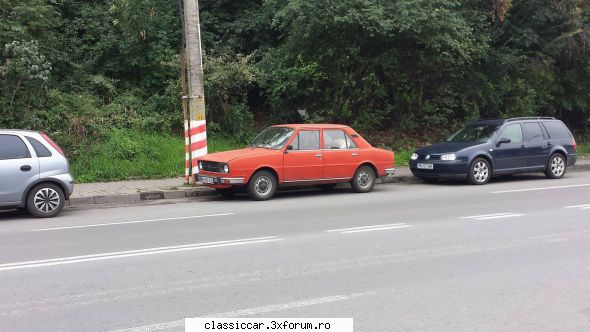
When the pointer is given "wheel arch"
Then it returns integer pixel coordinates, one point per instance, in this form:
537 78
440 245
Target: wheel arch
561 151
41 181
370 164
483 156
266 168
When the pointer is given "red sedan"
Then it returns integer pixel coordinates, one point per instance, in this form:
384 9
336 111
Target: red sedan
297 154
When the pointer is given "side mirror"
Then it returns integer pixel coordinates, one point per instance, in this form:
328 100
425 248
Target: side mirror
289 148
503 140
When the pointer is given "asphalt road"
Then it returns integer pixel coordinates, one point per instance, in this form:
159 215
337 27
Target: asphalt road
509 256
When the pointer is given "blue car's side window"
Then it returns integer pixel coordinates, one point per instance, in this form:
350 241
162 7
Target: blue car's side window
512 132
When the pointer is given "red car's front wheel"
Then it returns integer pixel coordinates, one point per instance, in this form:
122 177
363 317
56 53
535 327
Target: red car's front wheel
262 186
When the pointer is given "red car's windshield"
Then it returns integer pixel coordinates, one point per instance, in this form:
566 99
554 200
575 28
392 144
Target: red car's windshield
272 138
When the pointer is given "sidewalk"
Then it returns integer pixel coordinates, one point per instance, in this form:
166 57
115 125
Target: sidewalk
127 192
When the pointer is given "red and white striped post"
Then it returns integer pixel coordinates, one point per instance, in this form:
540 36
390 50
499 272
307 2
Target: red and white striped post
195 126
198 142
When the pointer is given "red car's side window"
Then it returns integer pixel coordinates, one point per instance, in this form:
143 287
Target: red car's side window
307 140
337 140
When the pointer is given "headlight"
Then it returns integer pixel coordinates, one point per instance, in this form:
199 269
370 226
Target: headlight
226 168
414 156
200 165
448 157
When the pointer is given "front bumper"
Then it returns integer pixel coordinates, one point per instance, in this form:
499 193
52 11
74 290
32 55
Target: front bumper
219 180
451 170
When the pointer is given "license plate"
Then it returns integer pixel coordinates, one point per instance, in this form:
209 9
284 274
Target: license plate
425 166
207 179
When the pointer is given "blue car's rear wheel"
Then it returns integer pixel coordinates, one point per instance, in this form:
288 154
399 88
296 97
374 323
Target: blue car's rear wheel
556 166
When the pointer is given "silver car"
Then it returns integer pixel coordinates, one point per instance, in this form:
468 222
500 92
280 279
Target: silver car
34 173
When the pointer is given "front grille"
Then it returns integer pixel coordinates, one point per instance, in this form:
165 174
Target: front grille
211 166
432 157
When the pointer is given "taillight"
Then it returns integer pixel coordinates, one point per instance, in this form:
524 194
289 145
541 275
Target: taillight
52 143
575 146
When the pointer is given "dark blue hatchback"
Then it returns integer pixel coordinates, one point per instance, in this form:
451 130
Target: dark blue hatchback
487 148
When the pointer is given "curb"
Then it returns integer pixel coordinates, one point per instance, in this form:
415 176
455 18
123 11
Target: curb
201 191
126 199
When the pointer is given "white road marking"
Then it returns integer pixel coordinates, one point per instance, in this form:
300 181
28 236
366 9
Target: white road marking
541 188
583 207
369 228
493 216
503 216
133 222
249 311
486 215
133 253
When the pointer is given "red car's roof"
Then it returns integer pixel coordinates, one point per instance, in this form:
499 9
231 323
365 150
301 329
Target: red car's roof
314 125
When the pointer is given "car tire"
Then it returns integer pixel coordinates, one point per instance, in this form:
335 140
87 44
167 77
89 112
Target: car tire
227 192
262 186
364 179
556 166
480 172
45 200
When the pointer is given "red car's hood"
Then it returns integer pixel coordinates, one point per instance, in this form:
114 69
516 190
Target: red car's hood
226 156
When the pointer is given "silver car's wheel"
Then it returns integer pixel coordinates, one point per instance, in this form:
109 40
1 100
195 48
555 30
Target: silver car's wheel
480 171
45 200
556 167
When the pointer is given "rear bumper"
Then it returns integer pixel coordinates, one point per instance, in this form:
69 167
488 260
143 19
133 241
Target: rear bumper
390 171
572 159
66 180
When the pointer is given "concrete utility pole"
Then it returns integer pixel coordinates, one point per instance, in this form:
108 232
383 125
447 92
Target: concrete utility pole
197 134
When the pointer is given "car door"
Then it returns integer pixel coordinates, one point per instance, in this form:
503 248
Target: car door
510 156
17 166
537 149
303 159
340 155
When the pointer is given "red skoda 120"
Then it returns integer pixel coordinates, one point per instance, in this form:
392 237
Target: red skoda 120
299 154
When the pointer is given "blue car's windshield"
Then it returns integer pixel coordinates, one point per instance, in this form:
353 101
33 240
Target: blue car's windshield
272 138
479 133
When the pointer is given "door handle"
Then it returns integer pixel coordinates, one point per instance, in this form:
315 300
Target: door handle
319 155
25 168
354 154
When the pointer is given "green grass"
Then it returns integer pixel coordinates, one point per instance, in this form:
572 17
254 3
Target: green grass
402 156
126 154
584 149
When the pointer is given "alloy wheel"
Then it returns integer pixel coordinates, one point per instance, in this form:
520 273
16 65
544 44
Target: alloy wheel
46 200
557 166
481 171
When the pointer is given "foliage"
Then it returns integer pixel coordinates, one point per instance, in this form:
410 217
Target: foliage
414 69
127 154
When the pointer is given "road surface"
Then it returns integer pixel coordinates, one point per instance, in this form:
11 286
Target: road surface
508 256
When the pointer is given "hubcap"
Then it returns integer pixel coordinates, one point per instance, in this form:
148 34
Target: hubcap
481 171
364 179
263 185
557 166
46 200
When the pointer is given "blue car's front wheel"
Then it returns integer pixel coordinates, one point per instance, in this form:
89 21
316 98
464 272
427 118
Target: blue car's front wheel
480 171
